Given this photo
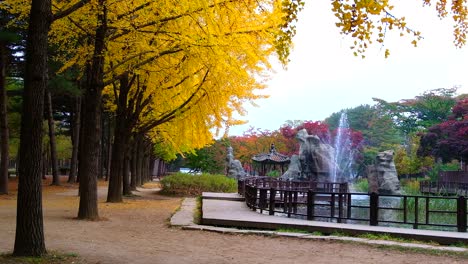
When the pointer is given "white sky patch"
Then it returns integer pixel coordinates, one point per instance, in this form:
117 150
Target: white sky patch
324 76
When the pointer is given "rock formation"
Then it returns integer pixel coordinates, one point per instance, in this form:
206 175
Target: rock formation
382 176
234 167
314 159
294 169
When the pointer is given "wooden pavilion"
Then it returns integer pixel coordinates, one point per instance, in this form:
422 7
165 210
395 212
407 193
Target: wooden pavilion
264 163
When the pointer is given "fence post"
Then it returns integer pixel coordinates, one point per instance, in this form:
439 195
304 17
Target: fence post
340 207
461 214
332 206
254 198
295 202
241 187
310 204
373 209
262 200
416 212
272 201
290 202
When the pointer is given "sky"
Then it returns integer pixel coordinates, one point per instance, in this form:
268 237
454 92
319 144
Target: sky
324 76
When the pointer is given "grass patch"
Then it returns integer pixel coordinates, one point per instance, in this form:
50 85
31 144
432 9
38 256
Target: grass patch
361 185
50 258
197 214
292 230
405 249
396 239
193 185
410 187
317 233
433 252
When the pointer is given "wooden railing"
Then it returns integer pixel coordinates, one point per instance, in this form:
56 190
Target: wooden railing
453 176
448 213
449 183
443 188
278 184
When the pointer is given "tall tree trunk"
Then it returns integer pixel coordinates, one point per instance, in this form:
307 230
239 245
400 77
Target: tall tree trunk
53 145
99 156
45 164
133 165
104 145
109 149
29 239
126 181
91 129
147 168
4 159
75 139
109 157
152 167
161 168
114 195
121 140
146 161
88 163
139 158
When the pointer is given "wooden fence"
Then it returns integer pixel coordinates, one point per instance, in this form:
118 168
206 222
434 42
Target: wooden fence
446 213
449 183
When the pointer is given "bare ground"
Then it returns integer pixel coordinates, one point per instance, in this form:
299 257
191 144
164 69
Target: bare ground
137 231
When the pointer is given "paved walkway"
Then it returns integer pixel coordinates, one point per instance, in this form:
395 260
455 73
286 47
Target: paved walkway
224 212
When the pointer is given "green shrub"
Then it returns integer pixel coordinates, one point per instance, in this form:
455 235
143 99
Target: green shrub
273 173
361 185
410 187
192 185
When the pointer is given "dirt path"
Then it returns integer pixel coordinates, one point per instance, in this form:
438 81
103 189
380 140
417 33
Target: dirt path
137 232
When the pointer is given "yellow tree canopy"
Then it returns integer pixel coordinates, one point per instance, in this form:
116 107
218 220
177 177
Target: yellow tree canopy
194 68
368 20
197 62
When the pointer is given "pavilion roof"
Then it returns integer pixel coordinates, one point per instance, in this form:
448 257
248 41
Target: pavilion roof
272 157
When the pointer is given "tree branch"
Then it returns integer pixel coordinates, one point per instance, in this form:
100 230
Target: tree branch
181 109
63 13
166 52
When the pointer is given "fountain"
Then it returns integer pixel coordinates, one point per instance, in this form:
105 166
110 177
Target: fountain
319 161
343 158
343 155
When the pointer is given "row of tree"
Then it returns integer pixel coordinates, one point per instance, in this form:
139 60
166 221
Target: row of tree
169 74
430 126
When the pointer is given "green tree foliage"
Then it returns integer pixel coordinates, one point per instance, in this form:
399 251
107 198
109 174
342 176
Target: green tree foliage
204 160
428 109
376 127
411 163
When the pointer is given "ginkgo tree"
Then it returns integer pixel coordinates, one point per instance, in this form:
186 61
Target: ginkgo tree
198 59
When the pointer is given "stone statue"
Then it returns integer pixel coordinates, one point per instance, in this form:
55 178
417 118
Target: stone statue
234 167
315 159
383 177
294 169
